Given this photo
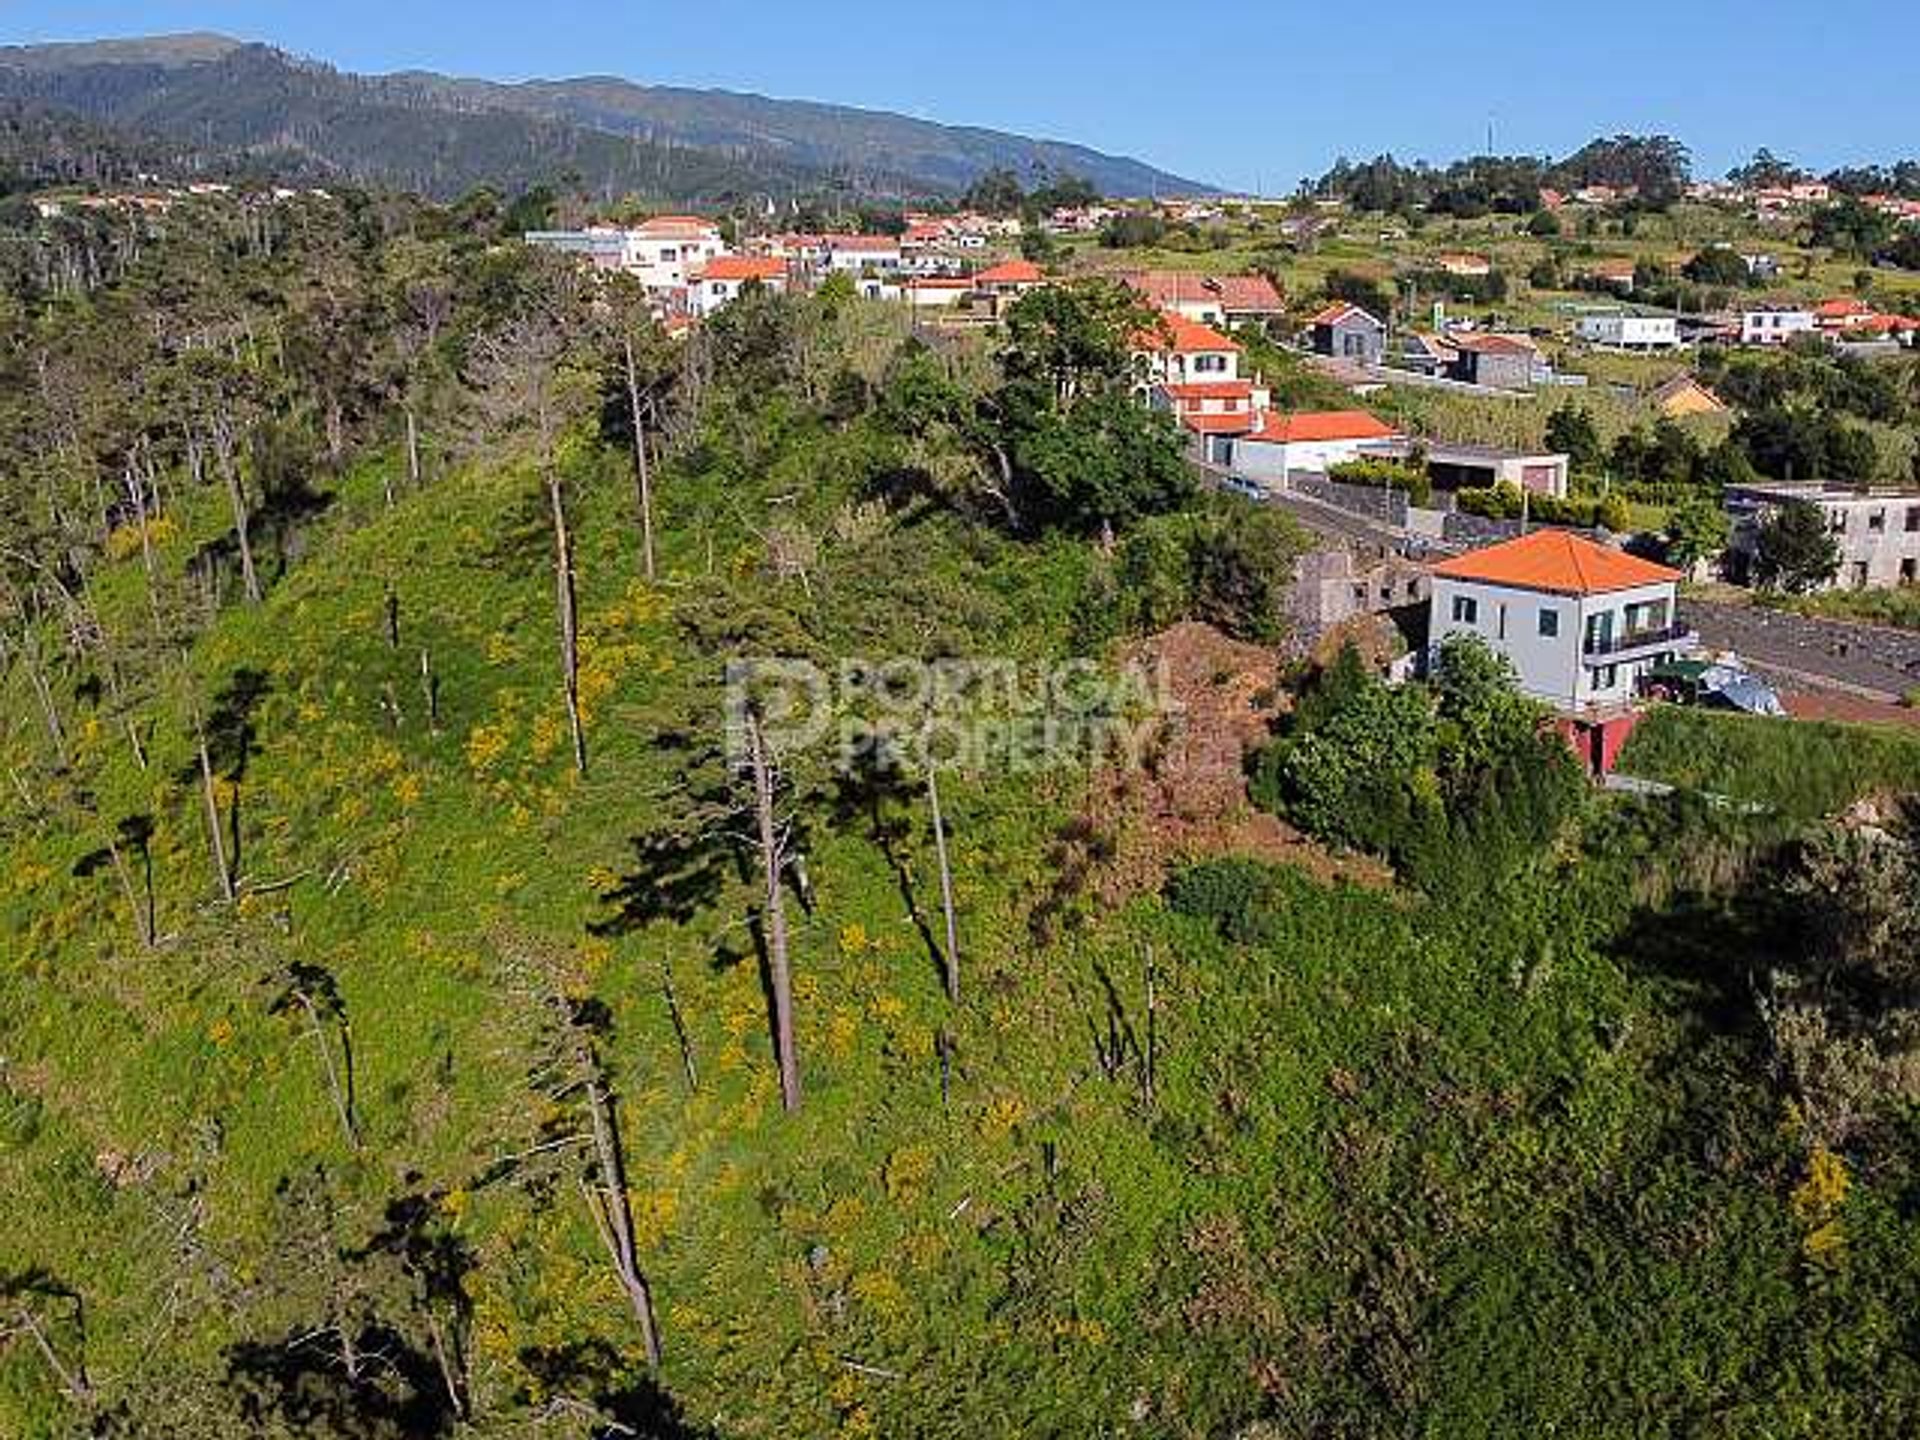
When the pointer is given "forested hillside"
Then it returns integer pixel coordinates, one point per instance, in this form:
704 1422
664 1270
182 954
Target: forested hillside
442 136
433 1002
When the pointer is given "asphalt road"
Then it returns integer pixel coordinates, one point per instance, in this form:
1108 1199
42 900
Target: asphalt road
1798 649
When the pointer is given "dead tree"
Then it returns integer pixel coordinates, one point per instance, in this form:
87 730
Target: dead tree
946 881
310 993
525 375
569 1068
773 838
210 798
567 603
642 475
23 1296
229 464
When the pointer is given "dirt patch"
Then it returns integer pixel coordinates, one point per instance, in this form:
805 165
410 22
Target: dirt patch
1854 709
1184 795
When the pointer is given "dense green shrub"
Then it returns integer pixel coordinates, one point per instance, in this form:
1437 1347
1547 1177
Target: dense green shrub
1237 896
1506 502
1456 784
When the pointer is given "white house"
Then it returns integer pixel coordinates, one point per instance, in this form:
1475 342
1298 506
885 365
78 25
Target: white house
1579 621
1621 331
854 253
1311 442
720 281
666 250
1775 324
1181 351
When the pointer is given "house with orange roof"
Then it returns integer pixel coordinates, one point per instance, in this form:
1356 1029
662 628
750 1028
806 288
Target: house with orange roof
1580 622
1221 300
1000 285
1178 350
1308 442
719 282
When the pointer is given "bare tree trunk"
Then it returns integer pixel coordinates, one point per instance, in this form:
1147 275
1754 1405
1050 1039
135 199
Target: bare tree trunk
772 865
615 1215
413 451
679 1028
642 477
213 811
237 498
430 687
569 618
43 692
142 915
339 1093
72 1379
946 883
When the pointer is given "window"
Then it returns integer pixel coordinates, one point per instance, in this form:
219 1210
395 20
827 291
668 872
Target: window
1837 521
1549 623
1859 574
1606 677
1466 609
1907 571
1209 364
1913 518
1877 520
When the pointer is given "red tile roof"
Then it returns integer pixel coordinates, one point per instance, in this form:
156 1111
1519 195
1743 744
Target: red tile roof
1339 311
1239 422
1177 335
1494 344
1558 562
1325 425
1244 294
1011 272
1211 390
744 267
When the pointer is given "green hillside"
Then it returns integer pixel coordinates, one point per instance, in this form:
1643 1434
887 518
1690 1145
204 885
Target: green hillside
1206 1147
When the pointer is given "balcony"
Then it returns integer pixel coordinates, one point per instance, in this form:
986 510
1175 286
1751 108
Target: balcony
1638 645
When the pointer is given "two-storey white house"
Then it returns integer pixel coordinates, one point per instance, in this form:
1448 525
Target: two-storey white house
1579 621
666 250
1775 324
719 282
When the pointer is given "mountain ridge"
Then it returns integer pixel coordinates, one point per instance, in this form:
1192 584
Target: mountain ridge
217 83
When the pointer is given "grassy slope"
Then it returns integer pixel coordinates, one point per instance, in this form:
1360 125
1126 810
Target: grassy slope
1804 770
1392 1156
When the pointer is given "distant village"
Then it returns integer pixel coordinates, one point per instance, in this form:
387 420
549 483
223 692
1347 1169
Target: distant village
1541 575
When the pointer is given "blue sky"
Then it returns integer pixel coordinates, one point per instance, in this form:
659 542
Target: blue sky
1239 92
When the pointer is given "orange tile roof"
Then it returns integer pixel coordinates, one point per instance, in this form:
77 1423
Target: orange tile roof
1488 344
1211 390
744 267
1558 562
1010 272
1238 422
1313 425
1175 334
